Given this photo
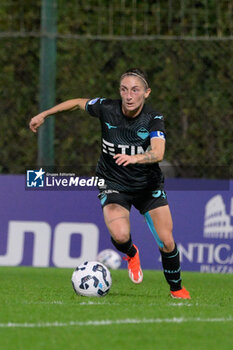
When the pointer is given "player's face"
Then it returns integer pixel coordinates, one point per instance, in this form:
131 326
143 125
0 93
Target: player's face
133 94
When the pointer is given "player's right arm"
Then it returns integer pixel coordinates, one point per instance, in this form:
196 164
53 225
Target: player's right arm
69 105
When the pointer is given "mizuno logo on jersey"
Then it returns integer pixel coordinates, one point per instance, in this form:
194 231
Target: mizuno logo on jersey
158 117
110 126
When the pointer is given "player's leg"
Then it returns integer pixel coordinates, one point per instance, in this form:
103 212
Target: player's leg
116 218
117 221
160 223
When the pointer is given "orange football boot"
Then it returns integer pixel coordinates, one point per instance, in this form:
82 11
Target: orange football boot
180 294
134 267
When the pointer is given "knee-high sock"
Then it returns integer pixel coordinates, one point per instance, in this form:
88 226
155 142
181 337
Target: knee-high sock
171 268
127 247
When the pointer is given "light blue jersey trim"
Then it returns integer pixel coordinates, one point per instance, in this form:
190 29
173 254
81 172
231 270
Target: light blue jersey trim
103 199
153 230
86 106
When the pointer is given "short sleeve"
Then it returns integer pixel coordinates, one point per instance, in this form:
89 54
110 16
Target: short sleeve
94 106
157 127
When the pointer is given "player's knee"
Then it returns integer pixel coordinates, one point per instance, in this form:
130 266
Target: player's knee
169 244
121 236
120 231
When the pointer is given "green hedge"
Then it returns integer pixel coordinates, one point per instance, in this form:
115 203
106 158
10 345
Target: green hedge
191 85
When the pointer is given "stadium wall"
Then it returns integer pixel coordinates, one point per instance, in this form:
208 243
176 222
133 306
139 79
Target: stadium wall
63 228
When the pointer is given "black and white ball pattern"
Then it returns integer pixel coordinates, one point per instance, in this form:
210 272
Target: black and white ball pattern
91 279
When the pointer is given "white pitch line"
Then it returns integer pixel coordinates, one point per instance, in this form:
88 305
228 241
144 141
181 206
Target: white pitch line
43 302
114 322
96 303
180 304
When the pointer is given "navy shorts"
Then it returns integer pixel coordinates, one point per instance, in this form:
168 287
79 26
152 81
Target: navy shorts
144 201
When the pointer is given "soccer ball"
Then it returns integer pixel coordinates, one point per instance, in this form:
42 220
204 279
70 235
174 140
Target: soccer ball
109 258
91 279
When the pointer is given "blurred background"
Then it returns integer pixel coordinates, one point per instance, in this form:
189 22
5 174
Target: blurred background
54 50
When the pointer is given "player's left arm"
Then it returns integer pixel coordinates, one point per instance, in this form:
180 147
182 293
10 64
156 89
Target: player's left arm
155 154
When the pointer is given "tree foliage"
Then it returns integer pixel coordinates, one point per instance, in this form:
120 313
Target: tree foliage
191 85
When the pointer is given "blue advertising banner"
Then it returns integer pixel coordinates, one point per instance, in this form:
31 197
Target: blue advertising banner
63 228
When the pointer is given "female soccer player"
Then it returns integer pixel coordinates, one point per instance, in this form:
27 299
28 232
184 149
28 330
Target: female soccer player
133 142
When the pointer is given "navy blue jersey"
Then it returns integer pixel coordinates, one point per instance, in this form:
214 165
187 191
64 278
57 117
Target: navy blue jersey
125 135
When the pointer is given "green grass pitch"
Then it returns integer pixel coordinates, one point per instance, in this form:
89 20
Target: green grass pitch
39 310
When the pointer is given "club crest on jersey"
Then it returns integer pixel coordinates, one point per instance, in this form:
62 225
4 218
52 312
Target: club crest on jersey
143 133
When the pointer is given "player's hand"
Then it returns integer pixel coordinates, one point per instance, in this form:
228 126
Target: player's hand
37 121
124 159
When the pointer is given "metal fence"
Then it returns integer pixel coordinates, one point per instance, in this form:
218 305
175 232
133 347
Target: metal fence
124 19
185 46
